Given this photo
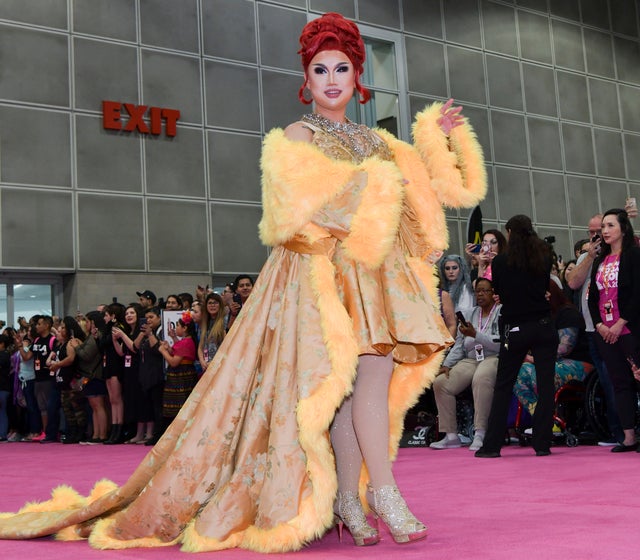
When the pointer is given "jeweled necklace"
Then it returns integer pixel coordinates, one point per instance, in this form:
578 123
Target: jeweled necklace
355 137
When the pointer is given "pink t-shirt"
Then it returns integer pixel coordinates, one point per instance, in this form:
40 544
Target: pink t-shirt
487 273
186 348
607 282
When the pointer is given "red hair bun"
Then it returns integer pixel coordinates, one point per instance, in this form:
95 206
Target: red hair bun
333 32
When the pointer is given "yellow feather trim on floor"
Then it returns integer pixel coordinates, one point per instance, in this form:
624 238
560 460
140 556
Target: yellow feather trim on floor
69 533
192 541
101 539
62 497
101 488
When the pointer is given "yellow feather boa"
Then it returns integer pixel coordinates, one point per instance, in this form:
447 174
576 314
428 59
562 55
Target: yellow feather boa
298 179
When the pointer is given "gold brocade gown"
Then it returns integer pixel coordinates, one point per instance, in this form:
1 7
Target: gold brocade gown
247 462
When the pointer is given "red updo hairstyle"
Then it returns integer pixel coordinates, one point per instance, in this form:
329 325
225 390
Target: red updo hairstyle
333 32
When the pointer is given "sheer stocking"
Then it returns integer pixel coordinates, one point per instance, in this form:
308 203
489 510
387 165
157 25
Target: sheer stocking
360 429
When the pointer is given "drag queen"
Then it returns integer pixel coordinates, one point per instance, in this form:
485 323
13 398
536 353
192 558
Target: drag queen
299 415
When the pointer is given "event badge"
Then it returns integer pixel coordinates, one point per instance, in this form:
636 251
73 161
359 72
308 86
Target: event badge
608 311
127 360
479 352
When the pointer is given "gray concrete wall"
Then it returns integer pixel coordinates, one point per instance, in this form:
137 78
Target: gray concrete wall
552 87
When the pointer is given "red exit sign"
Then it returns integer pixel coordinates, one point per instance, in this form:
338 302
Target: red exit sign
112 118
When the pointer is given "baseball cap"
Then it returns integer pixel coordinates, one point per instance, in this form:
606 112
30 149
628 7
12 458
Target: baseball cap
147 294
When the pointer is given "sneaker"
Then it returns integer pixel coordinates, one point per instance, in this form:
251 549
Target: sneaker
446 443
38 437
528 432
94 441
476 443
15 436
608 442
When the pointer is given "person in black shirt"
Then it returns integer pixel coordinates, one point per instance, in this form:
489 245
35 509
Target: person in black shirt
47 393
521 279
151 373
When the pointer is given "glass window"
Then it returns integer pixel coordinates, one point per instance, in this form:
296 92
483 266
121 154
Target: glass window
3 303
31 299
388 108
21 299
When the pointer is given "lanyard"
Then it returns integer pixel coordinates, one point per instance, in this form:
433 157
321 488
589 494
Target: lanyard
482 327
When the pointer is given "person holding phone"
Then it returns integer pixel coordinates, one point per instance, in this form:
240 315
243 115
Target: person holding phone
242 286
151 368
473 360
493 243
614 304
579 279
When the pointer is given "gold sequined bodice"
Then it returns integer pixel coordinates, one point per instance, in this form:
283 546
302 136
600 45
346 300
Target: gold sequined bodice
346 141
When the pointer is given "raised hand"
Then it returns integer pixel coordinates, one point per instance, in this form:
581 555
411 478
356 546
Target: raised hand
450 117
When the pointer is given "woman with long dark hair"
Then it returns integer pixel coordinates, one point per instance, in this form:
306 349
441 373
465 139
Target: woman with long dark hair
62 363
113 370
614 305
493 243
124 342
212 329
521 280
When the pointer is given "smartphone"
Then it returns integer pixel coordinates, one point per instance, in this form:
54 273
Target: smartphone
237 299
142 322
461 318
475 248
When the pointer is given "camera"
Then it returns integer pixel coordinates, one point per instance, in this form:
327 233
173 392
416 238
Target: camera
550 239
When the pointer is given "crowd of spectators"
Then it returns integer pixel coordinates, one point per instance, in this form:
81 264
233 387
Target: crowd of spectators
112 375
589 328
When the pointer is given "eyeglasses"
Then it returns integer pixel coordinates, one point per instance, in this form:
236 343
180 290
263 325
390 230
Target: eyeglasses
483 291
451 267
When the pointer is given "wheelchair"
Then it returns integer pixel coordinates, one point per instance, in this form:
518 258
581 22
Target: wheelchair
569 417
596 407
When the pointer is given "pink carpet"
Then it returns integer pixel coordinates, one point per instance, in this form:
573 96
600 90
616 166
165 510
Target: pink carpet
580 503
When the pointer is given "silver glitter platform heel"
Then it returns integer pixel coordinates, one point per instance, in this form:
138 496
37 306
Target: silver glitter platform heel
387 504
349 512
